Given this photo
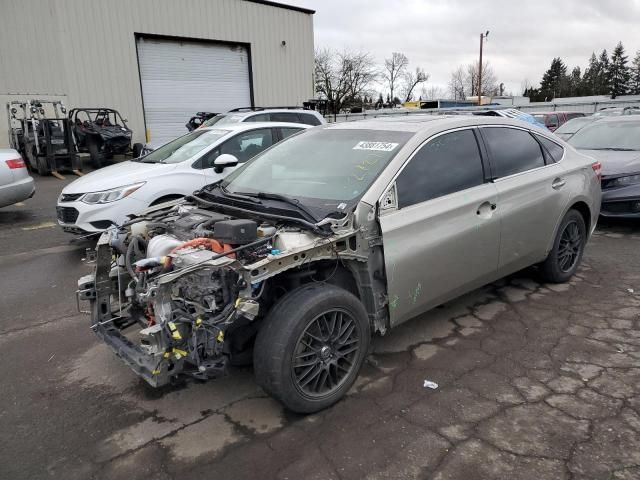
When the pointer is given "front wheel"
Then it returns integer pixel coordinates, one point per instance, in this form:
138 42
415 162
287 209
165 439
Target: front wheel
311 346
94 153
565 255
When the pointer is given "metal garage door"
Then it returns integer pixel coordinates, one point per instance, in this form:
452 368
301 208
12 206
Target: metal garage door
180 78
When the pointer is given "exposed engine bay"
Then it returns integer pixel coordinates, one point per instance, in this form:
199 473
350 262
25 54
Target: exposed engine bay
182 288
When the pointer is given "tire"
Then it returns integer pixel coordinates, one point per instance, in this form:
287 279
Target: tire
136 150
43 168
94 152
568 247
335 328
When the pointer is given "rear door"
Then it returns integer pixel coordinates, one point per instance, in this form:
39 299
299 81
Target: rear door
439 225
531 195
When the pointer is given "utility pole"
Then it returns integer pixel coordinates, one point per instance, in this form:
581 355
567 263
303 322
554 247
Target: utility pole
483 37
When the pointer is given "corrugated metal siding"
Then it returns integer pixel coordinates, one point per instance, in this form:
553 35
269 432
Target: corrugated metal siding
86 50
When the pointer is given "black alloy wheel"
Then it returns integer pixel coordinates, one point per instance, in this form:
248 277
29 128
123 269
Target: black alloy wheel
325 353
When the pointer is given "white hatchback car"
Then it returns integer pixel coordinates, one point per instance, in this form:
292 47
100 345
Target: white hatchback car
99 199
16 184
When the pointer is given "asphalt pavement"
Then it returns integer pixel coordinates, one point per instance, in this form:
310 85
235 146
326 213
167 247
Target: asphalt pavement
532 381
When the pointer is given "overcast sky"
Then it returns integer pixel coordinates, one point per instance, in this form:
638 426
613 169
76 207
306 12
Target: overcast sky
440 35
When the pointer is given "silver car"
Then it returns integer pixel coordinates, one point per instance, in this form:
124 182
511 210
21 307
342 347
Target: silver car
16 184
338 233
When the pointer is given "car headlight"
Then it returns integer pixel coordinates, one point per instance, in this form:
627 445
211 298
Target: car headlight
108 196
624 181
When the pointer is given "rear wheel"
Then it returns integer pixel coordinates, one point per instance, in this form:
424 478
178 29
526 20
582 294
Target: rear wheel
310 349
568 247
136 150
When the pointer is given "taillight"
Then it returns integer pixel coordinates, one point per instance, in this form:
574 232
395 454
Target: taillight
16 163
597 168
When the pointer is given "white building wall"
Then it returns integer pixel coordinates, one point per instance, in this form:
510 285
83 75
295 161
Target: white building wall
84 51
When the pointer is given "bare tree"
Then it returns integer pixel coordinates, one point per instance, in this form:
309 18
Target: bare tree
458 84
489 81
394 69
342 77
434 92
410 81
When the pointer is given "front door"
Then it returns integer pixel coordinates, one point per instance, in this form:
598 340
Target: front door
441 233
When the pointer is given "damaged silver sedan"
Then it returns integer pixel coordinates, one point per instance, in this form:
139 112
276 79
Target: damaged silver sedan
298 257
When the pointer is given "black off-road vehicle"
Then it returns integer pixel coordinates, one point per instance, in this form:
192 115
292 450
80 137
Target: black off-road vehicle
103 133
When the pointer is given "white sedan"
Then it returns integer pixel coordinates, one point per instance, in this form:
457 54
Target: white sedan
16 184
99 199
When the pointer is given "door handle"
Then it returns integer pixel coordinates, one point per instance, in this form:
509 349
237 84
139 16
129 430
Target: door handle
558 183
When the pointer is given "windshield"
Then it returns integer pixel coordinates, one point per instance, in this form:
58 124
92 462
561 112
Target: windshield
185 147
323 167
572 126
604 135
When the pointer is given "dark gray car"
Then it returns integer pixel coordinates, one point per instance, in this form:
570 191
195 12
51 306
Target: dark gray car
615 142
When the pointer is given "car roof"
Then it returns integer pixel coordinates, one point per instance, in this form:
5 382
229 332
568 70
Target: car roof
620 118
239 127
419 122
269 110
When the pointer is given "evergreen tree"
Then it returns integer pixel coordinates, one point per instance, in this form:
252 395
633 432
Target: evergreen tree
591 75
603 84
634 84
619 74
554 81
575 82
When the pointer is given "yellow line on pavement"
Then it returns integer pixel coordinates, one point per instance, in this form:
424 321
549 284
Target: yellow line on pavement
39 226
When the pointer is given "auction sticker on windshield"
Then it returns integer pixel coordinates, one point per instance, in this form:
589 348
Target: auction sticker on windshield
378 146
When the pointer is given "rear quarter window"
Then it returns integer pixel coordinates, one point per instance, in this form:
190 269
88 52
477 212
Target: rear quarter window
309 119
552 150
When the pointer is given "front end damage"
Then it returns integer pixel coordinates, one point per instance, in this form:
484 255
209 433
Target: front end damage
183 289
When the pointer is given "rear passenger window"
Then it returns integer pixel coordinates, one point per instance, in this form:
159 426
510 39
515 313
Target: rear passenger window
554 151
447 164
284 117
512 151
309 119
286 131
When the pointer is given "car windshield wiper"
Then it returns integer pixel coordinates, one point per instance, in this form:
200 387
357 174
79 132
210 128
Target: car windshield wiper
238 196
282 198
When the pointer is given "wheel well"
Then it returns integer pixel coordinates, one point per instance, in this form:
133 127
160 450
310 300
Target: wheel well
322 271
584 210
166 198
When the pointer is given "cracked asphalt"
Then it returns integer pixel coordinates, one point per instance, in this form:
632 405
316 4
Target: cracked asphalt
534 382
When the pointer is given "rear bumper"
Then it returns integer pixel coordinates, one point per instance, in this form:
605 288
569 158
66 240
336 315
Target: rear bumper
17 191
621 202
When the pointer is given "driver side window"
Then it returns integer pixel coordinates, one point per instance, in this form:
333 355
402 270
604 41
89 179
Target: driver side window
247 145
243 146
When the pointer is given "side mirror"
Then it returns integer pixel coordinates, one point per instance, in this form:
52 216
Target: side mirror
223 161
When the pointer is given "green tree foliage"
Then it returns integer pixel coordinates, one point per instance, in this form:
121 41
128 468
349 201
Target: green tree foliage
618 73
555 82
603 75
634 84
